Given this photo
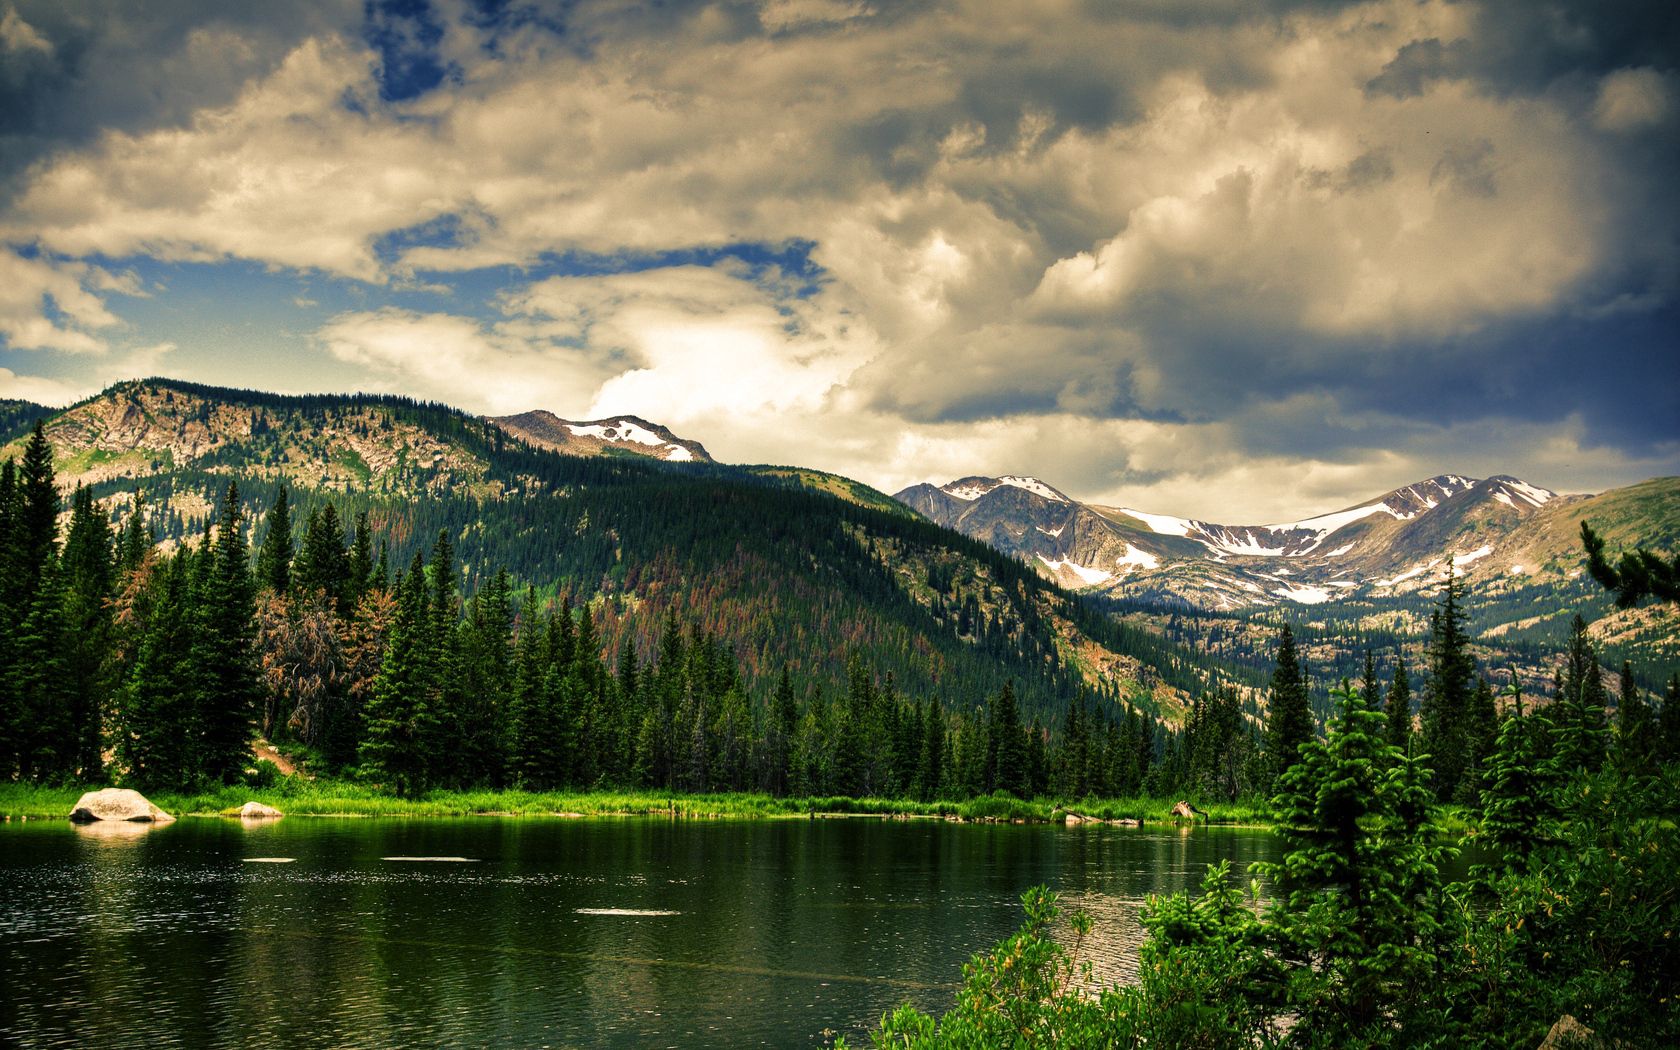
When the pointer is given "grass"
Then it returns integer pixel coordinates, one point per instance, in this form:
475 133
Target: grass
299 796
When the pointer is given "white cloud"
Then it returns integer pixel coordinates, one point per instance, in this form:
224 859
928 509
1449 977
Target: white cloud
45 303
41 390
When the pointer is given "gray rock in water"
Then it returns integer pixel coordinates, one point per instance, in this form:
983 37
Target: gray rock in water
258 811
117 804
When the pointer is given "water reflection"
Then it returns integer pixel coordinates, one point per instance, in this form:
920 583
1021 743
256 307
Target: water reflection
599 933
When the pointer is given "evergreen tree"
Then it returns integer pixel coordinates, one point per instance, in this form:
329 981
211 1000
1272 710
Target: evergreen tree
1517 813
1289 722
361 562
1398 711
1638 575
399 716
1445 711
1354 909
158 718
1636 728
223 652
136 540
274 561
89 581
1580 729
1009 772
930 765
1480 729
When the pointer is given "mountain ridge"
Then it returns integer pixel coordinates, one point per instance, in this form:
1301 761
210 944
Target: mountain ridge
1375 547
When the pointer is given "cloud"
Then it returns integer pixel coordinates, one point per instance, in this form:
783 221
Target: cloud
1629 99
1213 239
39 389
46 304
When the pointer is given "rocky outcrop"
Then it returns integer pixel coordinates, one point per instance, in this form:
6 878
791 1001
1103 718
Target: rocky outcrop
258 811
117 804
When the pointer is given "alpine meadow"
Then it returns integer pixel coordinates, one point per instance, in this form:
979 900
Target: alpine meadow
943 524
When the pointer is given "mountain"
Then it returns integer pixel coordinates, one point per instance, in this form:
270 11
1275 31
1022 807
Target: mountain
1492 529
615 435
791 566
1368 571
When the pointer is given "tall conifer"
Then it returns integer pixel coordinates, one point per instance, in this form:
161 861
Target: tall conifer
1288 711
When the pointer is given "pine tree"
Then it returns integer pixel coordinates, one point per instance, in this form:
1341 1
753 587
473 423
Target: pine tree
399 716
1481 727
361 562
136 540
89 582
224 650
1580 729
930 764
1444 712
1636 728
1005 741
1398 711
1289 722
274 562
1354 912
157 718
1517 813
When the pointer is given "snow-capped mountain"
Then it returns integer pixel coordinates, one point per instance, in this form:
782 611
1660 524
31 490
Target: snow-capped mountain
600 436
1400 541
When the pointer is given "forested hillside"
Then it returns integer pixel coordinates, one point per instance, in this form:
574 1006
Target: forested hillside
784 572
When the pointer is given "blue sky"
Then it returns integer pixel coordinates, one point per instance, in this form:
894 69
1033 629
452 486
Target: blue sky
1237 261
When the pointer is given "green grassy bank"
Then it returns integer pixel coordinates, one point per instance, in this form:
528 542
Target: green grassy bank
297 796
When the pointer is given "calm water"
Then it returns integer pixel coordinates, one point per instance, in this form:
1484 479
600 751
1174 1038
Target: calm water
633 932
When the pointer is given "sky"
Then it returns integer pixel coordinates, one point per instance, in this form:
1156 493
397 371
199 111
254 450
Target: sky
1241 260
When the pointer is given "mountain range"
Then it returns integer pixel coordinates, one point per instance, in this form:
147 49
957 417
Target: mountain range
1500 533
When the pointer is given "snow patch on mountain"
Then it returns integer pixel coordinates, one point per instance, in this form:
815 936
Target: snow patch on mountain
1088 576
1161 524
1304 595
1034 486
621 430
1414 571
1461 560
966 493
1141 558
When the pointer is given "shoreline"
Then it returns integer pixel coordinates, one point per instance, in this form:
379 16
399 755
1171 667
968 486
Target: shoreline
25 802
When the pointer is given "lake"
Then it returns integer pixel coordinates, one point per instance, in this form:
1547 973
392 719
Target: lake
546 931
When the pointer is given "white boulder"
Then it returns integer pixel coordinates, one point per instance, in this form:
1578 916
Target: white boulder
117 804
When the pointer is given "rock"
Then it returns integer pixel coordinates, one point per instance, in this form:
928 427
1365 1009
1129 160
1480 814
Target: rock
1127 822
117 804
1568 1032
258 811
1186 809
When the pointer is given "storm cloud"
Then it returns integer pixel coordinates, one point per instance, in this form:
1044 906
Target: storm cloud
1225 259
